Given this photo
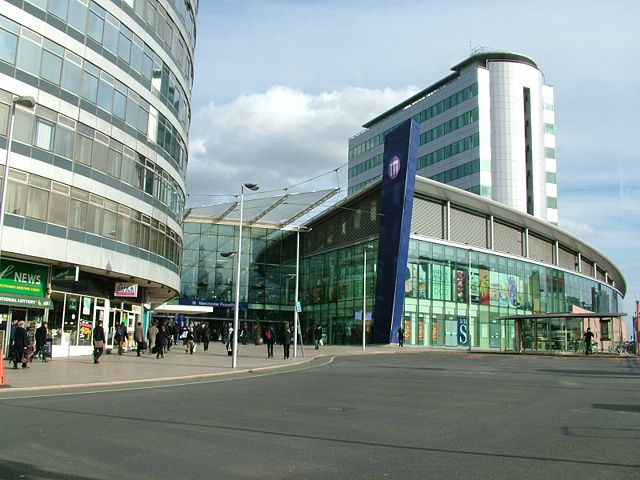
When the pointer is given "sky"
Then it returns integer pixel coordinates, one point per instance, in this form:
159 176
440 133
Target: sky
281 85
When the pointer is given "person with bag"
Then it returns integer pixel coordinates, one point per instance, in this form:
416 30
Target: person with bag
286 342
41 339
20 343
269 339
189 341
152 331
162 338
120 336
138 337
98 342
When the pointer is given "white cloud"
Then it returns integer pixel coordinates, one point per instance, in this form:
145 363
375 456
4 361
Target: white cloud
278 138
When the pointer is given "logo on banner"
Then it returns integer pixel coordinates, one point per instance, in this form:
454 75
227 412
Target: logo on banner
394 167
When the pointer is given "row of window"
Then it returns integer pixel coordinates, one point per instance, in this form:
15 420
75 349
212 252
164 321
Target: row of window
460 171
421 117
95 86
449 151
87 17
69 139
33 196
368 164
39 56
443 273
450 126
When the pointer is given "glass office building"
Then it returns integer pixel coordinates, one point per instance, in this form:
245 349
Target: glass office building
96 182
479 275
488 128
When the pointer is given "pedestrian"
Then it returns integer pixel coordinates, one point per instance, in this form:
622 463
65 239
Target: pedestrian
20 344
230 339
400 336
120 336
12 336
317 336
269 339
41 339
286 342
244 333
152 331
98 341
138 337
189 341
205 336
588 336
161 341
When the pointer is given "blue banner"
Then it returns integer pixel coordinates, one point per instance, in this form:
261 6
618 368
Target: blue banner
396 205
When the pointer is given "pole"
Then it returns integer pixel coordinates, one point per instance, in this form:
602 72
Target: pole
468 300
364 300
5 176
295 300
234 357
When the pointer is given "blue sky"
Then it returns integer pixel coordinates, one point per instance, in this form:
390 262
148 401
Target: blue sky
280 86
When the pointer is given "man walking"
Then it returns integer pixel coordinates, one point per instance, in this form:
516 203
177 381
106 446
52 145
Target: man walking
152 332
98 342
588 336
138 337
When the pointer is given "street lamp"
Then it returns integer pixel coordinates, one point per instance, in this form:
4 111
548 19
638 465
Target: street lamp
28 102
295 300
234 357
364 297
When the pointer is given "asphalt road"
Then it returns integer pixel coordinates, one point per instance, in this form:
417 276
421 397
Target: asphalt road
397 416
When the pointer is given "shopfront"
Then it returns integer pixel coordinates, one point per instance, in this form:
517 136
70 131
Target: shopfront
23 289
78 306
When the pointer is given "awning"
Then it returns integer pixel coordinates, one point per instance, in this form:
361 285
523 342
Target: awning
542 316
184 309
25 301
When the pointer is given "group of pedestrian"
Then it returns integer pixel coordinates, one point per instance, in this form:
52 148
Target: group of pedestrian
21 350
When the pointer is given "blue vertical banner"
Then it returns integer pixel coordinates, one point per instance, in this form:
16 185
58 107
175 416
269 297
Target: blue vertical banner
396 205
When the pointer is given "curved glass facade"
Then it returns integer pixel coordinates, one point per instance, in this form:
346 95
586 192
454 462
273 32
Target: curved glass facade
98 165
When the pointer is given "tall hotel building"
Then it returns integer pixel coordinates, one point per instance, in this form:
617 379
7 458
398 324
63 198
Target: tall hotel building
96 181
487 128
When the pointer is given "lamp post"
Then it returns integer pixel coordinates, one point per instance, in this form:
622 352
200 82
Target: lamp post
28 102
364 297
295 300
234 356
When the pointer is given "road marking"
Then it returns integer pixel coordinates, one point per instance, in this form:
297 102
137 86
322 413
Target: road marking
254 374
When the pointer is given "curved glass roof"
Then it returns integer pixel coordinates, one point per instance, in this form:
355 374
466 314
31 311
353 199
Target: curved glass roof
277 211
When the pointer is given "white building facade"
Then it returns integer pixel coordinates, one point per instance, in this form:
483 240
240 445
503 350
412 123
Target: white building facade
97 167
488 128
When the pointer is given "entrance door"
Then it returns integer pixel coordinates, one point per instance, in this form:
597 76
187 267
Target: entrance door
494 334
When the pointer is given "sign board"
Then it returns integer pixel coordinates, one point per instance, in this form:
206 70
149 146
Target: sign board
19 278
299 306
67 274
125 289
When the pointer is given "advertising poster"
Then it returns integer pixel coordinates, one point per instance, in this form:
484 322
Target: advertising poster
484 287
513 291
474 285
503 289
422 280
434 331
408 329
463 331
494 293
421 331
461 286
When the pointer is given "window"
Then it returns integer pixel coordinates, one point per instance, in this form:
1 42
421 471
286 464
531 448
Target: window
89 87
77 16
59 204
16 193
105 93
71 73
58 8
44 134
23 126
29 54
96 23
37 197
8 47
84 146
51 67
78 209
111 34
64 140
